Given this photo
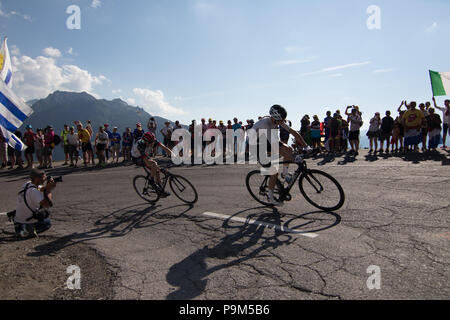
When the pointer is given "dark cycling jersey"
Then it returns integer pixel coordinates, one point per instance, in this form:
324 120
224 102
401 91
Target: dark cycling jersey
142 145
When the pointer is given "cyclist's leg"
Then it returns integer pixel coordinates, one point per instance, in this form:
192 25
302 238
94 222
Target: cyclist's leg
154 170
287 153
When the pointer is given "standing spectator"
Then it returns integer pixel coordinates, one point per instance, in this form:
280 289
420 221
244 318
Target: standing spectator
236 126
344 134
412 121
424 128
49 145
18 153
284 134
3 150
177 125
152 125
434 130
127 142
73 142
374 132
115 145
192 132
446 118
327 127
65 144
138 132
39 147
109 145
354 118
101 142
166 131
335 128
86 146
29 138
305 129
89 128
387 126
396 134
223 130
315 133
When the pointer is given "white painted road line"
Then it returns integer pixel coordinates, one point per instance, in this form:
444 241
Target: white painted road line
262 223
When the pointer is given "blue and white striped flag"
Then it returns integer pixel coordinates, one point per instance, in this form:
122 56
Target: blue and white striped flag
13 112
5 64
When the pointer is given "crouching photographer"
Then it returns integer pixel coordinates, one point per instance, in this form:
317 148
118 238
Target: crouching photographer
33 201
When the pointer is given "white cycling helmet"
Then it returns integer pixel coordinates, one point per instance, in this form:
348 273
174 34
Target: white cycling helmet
278 112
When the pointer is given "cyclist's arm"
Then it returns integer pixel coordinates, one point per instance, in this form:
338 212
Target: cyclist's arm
296 135
167 150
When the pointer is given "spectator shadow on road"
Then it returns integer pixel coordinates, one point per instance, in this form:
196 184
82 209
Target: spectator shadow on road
117 224
417 157
250 241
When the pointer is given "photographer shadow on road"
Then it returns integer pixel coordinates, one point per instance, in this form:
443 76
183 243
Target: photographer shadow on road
249 241
117 224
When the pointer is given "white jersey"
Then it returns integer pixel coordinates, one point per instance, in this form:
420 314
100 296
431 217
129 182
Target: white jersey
268 124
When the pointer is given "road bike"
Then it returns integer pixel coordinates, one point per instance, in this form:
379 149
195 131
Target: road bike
150 191
318 188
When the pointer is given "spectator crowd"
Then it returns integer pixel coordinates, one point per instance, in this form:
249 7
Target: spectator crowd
337 132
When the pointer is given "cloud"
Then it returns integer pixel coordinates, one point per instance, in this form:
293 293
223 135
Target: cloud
13 13
51 52
96 4
23 16
2 14
14 50
433 27
154 102
383 70
37 78
71 52
131 101
293 61
295 49
345 66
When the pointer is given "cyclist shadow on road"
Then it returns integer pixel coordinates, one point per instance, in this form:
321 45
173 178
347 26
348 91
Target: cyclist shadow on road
116 224
248 242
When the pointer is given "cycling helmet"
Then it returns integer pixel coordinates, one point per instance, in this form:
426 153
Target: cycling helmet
278 112
148 137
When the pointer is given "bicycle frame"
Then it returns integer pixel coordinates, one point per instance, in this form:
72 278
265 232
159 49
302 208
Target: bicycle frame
163 180
285 191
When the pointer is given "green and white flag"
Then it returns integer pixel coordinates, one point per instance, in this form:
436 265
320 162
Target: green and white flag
440 81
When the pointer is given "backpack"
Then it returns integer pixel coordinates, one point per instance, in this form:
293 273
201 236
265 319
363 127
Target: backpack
56 140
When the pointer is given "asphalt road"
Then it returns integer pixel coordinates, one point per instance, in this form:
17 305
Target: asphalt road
396 217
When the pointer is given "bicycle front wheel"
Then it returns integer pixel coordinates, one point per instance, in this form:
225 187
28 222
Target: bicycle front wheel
145 190
321 190
183 189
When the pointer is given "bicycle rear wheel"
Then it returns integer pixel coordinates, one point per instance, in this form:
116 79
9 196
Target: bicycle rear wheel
321 190
145 190
257 186
183 189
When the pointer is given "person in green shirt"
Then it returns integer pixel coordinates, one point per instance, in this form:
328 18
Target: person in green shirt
65 144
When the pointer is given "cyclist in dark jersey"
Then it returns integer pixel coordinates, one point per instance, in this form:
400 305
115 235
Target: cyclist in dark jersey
148 141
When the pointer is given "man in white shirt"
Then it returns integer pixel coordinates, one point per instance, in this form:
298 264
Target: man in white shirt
24 221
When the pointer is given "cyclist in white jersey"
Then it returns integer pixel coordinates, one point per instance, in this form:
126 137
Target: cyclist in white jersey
277 119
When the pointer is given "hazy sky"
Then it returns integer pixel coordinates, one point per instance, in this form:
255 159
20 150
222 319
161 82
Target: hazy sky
187 59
